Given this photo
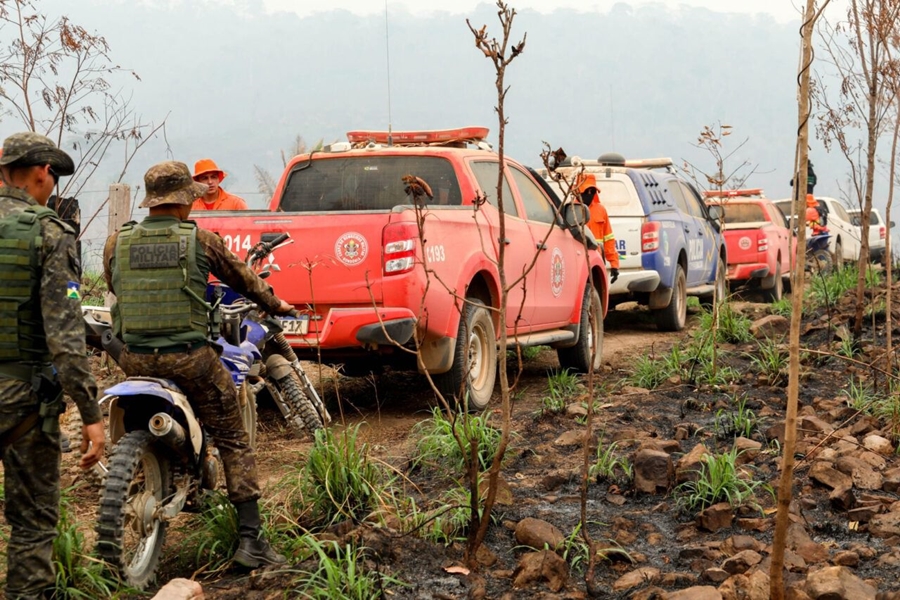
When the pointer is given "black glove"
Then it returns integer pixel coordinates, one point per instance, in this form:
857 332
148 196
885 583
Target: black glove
613 275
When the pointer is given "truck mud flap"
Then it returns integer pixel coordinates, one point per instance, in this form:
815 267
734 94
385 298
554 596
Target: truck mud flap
397 331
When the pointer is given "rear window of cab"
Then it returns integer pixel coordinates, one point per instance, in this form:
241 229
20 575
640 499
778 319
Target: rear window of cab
743 212
352 183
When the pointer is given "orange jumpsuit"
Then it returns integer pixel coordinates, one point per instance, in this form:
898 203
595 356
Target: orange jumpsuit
603 233
224 201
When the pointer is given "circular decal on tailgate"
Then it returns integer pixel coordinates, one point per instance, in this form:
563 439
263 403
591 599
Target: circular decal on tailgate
744 243
557 272
351 248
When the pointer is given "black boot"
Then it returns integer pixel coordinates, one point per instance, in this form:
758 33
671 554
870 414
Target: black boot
254 551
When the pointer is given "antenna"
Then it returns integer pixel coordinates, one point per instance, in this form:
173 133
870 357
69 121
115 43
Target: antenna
387 51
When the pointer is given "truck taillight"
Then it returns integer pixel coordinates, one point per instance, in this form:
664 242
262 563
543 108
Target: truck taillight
762 243
399 244
649 237
881 232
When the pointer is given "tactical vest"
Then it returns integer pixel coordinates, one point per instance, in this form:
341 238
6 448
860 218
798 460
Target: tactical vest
22 336
160 275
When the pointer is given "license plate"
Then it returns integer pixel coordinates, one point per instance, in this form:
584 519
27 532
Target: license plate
292 326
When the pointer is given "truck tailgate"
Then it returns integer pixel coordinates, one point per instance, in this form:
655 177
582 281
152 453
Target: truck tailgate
343 267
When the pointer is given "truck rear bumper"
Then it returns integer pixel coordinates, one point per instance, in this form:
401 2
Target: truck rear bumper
746 271
357 327
635 281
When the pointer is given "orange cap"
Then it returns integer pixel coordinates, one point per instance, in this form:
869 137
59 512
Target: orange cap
207 165
811 201
587 181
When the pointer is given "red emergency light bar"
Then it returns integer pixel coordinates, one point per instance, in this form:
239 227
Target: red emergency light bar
433 136
733 193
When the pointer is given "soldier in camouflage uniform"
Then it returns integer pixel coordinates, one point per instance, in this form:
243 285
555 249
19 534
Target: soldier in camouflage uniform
158 269
42 345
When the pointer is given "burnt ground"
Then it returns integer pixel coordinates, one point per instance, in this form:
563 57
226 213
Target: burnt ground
641 530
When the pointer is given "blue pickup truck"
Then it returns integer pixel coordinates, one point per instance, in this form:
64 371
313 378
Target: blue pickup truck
669 243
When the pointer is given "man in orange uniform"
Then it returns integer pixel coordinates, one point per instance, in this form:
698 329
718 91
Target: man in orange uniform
206 171
599 223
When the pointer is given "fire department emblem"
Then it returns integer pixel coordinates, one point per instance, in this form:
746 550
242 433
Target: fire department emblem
744 243
557 272
351 248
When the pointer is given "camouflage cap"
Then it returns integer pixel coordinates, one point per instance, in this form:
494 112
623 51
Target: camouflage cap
28 148
170 182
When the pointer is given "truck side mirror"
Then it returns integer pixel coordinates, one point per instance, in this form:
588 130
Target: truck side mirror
576 214
715 212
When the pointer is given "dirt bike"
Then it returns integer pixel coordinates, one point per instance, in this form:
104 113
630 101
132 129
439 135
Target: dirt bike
818 257
161 460
279 374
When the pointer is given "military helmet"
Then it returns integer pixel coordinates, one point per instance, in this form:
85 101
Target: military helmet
170 182
28 148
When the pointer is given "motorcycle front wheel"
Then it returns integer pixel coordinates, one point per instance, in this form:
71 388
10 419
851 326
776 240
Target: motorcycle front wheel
299 404
130 535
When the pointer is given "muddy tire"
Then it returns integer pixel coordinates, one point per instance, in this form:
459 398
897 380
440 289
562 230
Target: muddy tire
305 415
590 333
774 293
837 262
820 262
674 316
129 538
721 285
470 380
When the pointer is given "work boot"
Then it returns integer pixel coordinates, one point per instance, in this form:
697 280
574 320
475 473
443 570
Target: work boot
254 550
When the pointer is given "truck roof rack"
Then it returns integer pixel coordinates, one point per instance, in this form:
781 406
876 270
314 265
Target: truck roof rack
456 138
734 193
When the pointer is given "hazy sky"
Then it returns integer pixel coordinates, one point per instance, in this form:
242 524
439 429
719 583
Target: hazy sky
781 10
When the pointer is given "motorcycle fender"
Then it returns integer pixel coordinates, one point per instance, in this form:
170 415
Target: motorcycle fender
193 425
116 421
278 367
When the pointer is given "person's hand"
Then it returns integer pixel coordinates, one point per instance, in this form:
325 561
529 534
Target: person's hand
284 308
613 275
93 439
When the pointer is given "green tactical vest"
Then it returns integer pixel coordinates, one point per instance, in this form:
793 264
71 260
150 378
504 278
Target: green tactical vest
21 324
159 275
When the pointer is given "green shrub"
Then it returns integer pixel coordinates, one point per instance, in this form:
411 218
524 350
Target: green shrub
341 482
610 465
741 422
211 537
650 373
562 386
79 574
719 480
340 574
771 360
734 328
782 307
437 448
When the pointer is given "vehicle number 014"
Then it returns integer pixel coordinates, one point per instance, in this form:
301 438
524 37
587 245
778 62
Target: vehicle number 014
237 242
435 254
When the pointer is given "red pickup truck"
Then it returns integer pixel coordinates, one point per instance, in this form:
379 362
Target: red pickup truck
759 241
378 274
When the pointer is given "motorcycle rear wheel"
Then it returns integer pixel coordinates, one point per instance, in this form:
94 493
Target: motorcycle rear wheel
129 534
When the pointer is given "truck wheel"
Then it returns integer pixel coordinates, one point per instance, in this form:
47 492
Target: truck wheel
474 360
590 334
774 293
838 261
674 316
721 285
